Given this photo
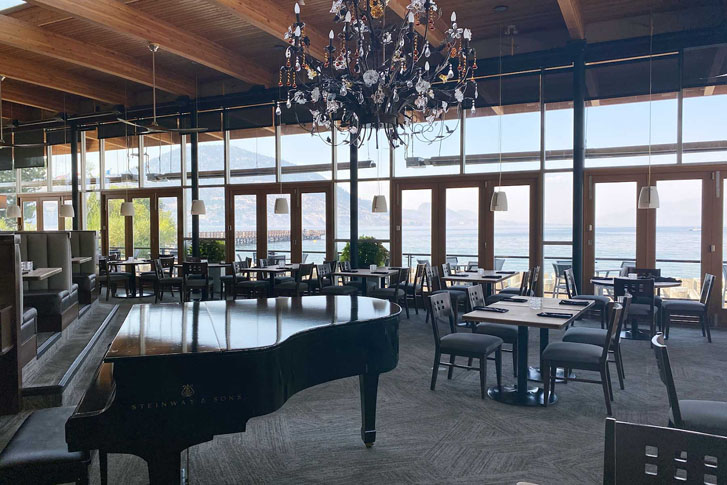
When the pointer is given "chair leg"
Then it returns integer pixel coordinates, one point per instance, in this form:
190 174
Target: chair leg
545 372
406 307
610 384
705 326
483 375
435 370
498 367
108 290
103 464
514 360
666 321
619 368
452 358
606 396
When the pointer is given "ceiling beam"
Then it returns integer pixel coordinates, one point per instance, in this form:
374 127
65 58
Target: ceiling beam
573 17
716 69
15 67
436 37
268 16
12 111
126 20
37 97
25 36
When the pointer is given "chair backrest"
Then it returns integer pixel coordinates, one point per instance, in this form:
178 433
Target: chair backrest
524 280
644 272
103 266
499 263
419 277
570 283
473 265
345 265
614 322
644 454
402 278
240 265
435 279
441 305
305 272
304 258
422 261
533 280
706 289
662 362
262 263
193 268
428 278
560 266
643 289
158 268
475 296
323 271
451 260
114 255
332 265
625 265
625 302
446 270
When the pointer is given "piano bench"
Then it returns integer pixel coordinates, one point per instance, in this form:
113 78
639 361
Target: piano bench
38 454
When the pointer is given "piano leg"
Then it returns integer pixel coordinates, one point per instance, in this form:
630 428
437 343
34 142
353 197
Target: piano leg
368 384
164 467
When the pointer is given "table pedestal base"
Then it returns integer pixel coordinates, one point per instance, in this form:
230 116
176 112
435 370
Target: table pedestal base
534 396
535 375
638 334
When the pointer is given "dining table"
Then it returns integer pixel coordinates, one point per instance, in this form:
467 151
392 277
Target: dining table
379 273
81 259
485 277
527 312
40 274
271 272
131 265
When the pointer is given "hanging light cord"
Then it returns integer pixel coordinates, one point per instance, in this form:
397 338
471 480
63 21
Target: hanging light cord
153 48
651 58
2 133
499 115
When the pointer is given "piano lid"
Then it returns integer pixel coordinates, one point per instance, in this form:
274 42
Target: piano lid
218 326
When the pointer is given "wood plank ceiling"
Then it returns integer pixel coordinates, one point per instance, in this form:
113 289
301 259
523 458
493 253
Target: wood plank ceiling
79 56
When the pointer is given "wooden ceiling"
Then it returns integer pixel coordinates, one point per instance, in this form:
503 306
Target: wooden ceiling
79 56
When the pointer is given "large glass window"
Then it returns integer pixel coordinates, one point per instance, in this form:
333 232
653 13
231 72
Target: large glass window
416 226
168 225
679 235
50 215
162 160
462 223
121 162
373 156
116 227
520 139
704 129
370 224
93 212
559 135
615 226
60 163
512 230
34 179
432 149
212 224
246 226
93 161
278 227
313 217
305 157
252 155
30 215
557 228
210 156
142 227
7 188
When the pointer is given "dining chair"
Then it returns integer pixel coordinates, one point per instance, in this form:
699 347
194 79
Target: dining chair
326 286
164 281
600 302
690 309
111 278
146 279
508 333
233 274
643 303
588 357
703 416
510 291
395 292
414 290
597 336
473 265
451 260
437 286
196 277
301 284
446 272
559 279
644 454
499 263
461 344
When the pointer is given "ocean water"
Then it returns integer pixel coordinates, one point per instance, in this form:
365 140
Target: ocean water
613 246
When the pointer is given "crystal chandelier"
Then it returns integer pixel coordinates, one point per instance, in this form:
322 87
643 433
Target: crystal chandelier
377 75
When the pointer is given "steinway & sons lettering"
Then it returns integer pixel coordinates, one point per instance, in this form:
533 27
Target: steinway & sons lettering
187 400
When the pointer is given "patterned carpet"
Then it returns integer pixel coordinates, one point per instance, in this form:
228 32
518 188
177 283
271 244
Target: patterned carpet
446 436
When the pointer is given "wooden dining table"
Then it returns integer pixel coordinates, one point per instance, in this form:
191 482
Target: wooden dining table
81 259
366 273
521 314
487 278
40 274
272 272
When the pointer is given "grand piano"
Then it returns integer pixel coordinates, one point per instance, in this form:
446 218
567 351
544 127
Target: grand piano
177 375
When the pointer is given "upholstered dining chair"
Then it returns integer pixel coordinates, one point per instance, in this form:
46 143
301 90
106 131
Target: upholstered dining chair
510 291
164 281
643 303
301 284
703 416
112 278
597 336
395 292
196 277
600 302
461 344
690 308
508 333
588 357
326 286
436 286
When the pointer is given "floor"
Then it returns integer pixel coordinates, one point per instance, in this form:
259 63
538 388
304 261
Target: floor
445 436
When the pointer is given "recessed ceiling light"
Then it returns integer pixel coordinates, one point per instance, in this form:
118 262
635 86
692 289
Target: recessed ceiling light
500 8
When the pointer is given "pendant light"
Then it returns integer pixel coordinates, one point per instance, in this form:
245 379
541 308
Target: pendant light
649 195
127 209
13 212
281 205
499 198
67 211
198 208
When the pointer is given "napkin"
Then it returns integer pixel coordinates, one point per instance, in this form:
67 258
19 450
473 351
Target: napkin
574 302
555 315
491 309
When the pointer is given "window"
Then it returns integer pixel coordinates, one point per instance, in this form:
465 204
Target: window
121 162
704 127
162 160
373 224
512 230
432 149
210 156
559 135
462 222
252 155
373 162
305 157
557 226
212 224
92 161
34 179
93 212
60 163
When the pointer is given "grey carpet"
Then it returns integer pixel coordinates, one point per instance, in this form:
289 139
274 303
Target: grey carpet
446 436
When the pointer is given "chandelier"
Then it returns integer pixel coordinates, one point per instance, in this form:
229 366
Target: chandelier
377 75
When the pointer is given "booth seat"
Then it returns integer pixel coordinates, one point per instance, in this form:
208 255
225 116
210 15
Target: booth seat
55 298
28 335
85 275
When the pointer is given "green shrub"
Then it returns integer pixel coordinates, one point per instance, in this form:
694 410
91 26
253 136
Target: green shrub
210 249
370 251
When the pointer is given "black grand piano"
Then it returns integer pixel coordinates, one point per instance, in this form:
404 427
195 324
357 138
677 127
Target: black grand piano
177 375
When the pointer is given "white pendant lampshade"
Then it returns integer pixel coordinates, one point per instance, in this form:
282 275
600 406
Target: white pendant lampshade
67 211
498 202
127 209
281 206
13 211
379 204
198 208
649 197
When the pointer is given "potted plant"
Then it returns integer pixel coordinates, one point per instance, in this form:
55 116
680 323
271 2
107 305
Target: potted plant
210 249
370 251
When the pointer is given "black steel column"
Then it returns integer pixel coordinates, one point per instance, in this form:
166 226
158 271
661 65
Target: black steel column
75 199
195 183
579 155
354 201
